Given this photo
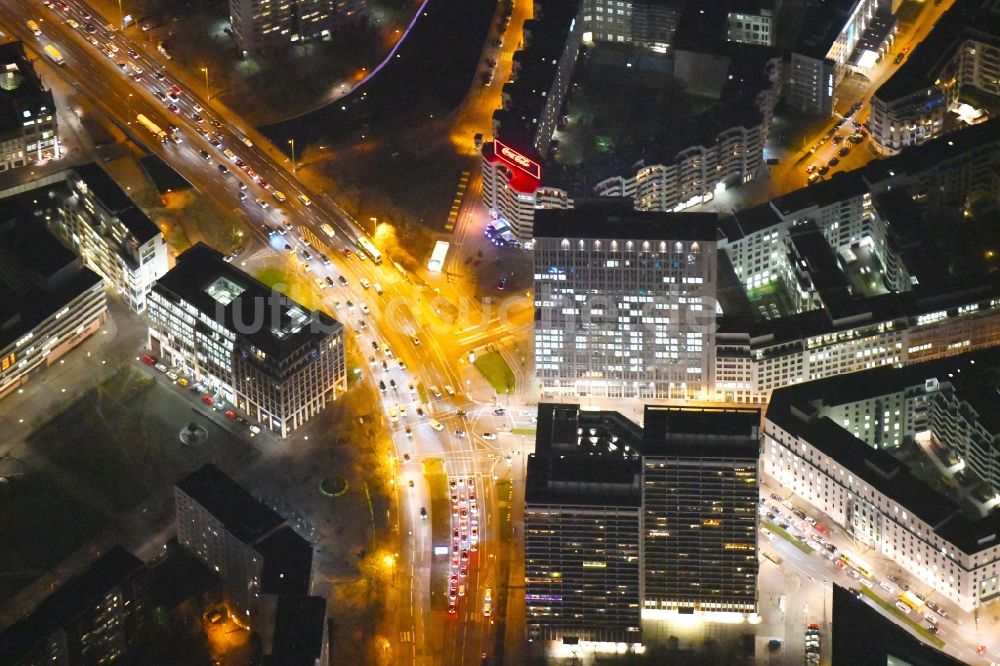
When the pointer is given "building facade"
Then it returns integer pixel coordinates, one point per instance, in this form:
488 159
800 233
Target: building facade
625 523
29 133
90 619
833 442
751 23
49 302
265 354
112 235
625 302
259 24
647 23
699 510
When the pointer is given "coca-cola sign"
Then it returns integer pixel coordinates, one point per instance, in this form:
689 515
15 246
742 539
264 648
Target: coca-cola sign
517 160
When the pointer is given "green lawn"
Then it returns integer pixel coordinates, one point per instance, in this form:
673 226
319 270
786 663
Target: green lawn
496 371
422 393
504 495
273 276
523 431
892 610
785 535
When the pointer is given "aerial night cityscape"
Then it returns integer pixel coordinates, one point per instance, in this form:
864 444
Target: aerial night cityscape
499 332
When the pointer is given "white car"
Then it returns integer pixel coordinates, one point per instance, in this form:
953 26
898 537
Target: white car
888 587
903 608
172 375
489 436
255 430
364 308
365 283
197 107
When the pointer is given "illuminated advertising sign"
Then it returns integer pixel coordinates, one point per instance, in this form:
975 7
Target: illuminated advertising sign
517 160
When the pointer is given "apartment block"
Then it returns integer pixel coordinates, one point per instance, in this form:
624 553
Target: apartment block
29 133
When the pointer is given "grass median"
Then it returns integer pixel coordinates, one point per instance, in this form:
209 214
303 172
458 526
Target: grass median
895 612
798 543
440 510
494 368
523 431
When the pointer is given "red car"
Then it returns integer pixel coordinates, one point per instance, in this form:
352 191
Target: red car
230 414
451 609
148 360
347 253
207 399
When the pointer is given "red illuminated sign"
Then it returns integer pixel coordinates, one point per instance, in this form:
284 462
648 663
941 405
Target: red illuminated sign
517 160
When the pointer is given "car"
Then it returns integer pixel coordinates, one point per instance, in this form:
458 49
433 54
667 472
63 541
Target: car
420 411
223 169
931 628
451 609
415 340
174 92
148 360
903 608
489 436
840 564
461 590
898 59
436 391
823 170
263 183
346 251
833 162
459 433
279 196
888 587
810 168
174 108
838 138
205 155
121 64
499 411
461 411
306 201
843 152
453 592
364 308
867 583
262 203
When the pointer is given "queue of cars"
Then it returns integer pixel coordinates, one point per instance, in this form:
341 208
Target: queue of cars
464 538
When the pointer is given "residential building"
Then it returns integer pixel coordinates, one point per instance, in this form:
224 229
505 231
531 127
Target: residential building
249 546
49 301
699 510
28 129
837 37
905 460
540 76
625 302
751 22
615 513
958 62
260 24
260 351
89 619
111 234
647 23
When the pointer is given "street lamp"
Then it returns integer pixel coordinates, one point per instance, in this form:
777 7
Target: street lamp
208 93
291 142
121 17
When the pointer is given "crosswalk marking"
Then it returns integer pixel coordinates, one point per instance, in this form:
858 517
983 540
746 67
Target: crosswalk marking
406 637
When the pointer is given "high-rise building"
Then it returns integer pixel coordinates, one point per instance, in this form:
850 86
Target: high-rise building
647 23
264 353
699 509
581 530
49 301
28 130
90 619
751 22
259 24
624 523
625 302
112 235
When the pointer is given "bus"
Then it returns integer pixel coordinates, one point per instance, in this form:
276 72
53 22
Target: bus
369 248
436 262
53 54
33 27
153 128
912 599
852 560
328 230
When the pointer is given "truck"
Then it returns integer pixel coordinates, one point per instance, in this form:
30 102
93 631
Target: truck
53 54
153 128
328 230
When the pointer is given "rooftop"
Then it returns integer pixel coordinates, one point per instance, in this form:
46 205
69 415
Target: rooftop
103 187
287 563
863 636
77 596
298 631
21 90
38 275
245 517
824 21
615 218
228 295
975 378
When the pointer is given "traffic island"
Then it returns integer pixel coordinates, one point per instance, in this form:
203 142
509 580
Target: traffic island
440 516
494 368
334 486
